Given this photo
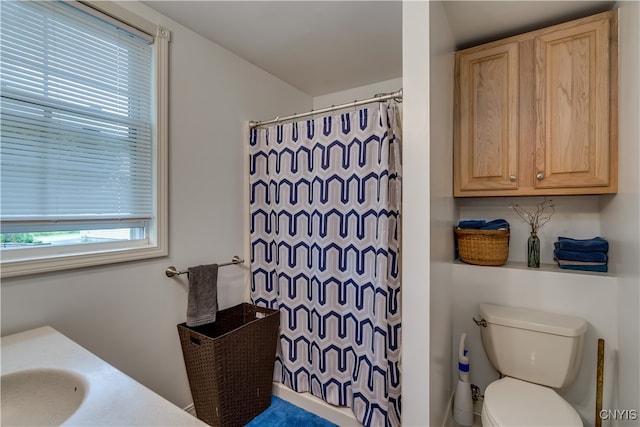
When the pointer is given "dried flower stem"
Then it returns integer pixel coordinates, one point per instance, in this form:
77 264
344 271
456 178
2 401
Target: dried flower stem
537 219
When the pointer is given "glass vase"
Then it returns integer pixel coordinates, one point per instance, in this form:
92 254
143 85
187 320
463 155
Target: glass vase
533 251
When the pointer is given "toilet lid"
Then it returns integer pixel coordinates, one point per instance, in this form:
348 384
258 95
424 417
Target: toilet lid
512 402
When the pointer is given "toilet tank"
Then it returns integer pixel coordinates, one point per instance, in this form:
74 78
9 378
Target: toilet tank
533 345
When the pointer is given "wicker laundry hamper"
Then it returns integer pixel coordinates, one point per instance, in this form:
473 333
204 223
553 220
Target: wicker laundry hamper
482 247
230 364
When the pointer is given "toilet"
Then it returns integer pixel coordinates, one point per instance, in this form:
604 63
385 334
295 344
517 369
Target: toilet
535 352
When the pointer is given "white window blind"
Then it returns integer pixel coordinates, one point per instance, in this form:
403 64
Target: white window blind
76 121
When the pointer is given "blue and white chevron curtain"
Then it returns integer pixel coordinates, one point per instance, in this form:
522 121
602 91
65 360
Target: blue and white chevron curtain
325 204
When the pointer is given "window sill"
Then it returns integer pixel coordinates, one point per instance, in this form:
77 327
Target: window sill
23 267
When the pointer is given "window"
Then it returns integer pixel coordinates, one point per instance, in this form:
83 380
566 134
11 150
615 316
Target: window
82 136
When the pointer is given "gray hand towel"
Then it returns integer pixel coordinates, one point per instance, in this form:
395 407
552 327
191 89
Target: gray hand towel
202 300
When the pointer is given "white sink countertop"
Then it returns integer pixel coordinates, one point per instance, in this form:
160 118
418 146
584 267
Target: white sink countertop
113 398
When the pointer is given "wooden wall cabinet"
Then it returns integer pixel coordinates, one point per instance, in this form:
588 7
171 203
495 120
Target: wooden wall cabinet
536 114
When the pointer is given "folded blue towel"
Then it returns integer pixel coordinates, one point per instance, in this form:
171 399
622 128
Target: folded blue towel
472 223
496 224
597 244
580 256
480 224
601 268
565 262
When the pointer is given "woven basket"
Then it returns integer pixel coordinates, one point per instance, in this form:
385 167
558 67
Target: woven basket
230 364
483 247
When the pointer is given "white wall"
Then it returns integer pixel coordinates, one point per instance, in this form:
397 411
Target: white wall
621 215
357 94
127 313
415 236
442 210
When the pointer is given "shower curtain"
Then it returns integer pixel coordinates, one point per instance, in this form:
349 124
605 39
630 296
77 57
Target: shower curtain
324 211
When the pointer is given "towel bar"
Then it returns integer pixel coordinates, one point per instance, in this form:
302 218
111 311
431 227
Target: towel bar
172 271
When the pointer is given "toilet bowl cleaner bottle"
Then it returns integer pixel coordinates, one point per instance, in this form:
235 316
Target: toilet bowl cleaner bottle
463 402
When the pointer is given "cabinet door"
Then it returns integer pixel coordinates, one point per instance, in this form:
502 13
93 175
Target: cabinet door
485 143
572 109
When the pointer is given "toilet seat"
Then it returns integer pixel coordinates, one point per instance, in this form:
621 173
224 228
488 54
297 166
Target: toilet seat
513 402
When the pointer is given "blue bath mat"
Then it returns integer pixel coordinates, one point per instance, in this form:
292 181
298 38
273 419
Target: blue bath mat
283 414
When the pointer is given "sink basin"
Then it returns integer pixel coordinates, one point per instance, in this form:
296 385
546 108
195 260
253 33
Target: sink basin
39 397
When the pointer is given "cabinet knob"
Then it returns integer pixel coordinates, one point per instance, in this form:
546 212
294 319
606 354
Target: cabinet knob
512 178
539 176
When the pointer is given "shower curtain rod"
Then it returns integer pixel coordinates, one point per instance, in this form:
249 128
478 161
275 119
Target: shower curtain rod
376 98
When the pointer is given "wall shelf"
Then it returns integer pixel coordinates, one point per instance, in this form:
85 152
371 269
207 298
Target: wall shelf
552 268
